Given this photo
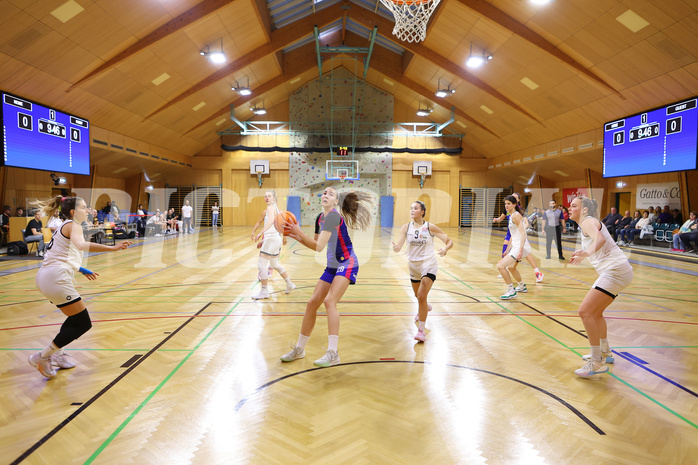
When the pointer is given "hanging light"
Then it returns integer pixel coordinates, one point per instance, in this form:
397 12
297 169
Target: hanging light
259 110
476 60
216 56
242 90
440 92
423 111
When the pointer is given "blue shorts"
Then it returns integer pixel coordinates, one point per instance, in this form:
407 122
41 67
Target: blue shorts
349 269
508 236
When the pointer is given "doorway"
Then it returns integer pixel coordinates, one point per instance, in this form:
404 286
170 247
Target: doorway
622 201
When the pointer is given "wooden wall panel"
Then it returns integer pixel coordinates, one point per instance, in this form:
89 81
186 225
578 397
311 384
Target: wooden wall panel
251 196
436 195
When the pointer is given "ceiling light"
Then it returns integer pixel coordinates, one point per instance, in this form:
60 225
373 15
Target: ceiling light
242 90
259 110
444 92
423 111
476 60
540 2
216 56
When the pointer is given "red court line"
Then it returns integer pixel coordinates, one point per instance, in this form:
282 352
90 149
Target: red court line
222 315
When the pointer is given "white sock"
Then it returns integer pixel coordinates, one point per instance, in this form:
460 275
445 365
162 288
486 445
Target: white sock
421 326
596 353
604 345
536 270
288 281
510 286
49 350
264 288
332 342
302 341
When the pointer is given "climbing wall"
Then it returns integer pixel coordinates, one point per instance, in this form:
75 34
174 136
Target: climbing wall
310 112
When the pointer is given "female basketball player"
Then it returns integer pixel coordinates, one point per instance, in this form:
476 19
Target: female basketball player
342 266
271 247
615 274
55 279
422 262
518 248
530 258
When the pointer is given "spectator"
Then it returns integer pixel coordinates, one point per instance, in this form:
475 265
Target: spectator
33 233
664 216
533 219
115 213
54 222
565 214
689 232
610 220
651 215
5 219
171 222
553 224
140 223
19 212
107 209
677 217
621 224
187 226
623 233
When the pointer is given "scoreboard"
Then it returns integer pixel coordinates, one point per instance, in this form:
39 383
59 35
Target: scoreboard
39 137
660 140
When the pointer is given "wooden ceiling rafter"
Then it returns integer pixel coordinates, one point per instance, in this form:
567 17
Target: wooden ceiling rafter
280 38
370 19
205 8
496 15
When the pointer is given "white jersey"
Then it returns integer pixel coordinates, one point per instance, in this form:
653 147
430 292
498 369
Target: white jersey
420 242
517 241
608 257
271 232
61 252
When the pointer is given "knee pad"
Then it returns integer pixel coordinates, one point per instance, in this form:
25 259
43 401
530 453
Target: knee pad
263 266
73 327
274 261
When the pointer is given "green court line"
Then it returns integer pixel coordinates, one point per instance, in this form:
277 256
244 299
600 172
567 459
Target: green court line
645 347
465 284
613 375
157 389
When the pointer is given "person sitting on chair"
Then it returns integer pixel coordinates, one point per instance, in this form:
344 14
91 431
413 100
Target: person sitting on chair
687 232
54 222
33 233
5 222
19 213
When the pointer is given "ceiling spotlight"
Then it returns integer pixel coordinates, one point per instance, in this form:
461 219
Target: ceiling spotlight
216 56
444 92
540 2
423 111
476 60
259 110
242 90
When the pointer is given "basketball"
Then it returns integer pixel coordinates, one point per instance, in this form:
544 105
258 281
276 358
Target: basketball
281 220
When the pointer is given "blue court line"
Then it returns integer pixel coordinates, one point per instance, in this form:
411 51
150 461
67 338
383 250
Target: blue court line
636 359
633 359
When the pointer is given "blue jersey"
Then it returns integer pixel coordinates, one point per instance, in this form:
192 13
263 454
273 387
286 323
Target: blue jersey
339 247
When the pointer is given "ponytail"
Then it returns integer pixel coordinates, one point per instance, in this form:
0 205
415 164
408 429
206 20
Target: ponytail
591 205
58 203
355 209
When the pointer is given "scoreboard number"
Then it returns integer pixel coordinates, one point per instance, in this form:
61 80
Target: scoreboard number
618 138
343 151
24 121
673 125
74 135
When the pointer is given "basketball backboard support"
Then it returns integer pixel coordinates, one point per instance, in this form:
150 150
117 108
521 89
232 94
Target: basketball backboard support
342 170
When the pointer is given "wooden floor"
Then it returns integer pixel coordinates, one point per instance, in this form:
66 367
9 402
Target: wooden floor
182 367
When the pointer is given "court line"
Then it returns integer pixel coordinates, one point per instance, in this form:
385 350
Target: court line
157 389
615 376
104 390
579 414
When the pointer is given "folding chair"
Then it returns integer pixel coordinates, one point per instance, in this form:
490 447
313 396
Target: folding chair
29 244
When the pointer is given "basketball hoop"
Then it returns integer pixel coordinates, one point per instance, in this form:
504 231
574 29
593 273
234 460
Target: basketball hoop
411 17
342 177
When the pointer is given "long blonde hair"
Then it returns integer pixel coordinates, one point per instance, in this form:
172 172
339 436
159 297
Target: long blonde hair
356 209
59 203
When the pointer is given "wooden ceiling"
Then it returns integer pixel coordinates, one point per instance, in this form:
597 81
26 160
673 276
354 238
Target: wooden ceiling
134 67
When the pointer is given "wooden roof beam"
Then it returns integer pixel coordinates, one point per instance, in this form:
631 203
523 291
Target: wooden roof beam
280 39
496 15
370 19
205 8
262 10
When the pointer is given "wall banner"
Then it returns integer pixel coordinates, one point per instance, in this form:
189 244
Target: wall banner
666 193
568 195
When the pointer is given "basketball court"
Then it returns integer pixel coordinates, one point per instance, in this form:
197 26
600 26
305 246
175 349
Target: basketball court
164 102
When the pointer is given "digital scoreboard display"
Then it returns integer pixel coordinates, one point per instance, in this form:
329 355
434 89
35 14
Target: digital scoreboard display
656 141
42 138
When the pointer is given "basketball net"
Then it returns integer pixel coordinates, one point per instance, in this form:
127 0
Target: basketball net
411 17
342 178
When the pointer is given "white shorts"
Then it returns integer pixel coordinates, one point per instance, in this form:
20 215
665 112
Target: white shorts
57 284
612 282
422 268
272 245
526 251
